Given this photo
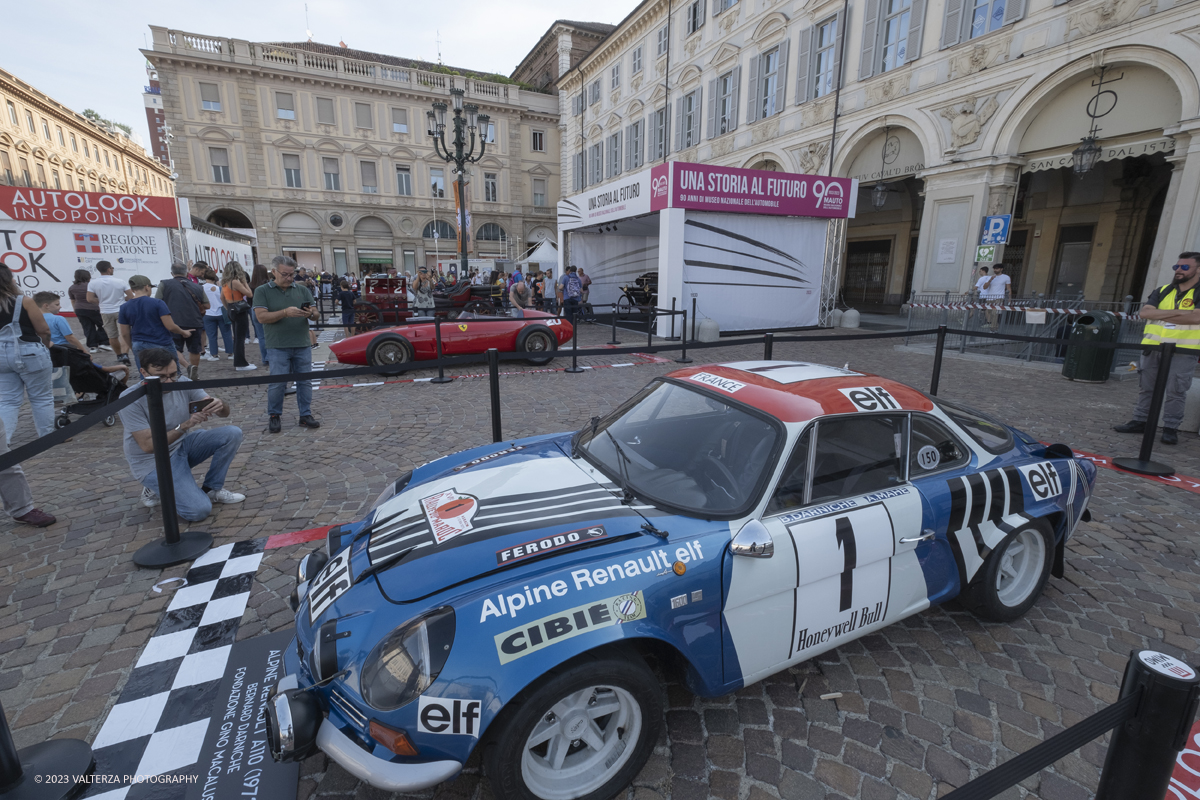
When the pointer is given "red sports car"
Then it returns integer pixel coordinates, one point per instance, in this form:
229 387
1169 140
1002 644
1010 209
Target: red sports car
522 331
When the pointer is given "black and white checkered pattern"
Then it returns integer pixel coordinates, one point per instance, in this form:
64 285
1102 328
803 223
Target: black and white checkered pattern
158 724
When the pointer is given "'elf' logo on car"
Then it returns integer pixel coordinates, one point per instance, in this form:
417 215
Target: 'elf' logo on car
442 715
542 633
870 398
1043 480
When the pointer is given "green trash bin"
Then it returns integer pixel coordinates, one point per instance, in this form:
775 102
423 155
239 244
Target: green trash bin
1091 365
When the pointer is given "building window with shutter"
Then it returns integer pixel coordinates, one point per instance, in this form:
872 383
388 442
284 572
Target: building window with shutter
894 39
12 112
291 171
616 76
658 134
635 136
370 179
538 141
29 122
986 16
636 66
210 97
285 106
596 156
6 165
362 115
614 155
61 142
768 81
333 174
825 57
41 173
54 176
578 176
46 130
326 113
689 120
539 191
404 181
74 146
25 176
723 5
491 191
437 182
694 16
219 157
663 40
595 93
489 135
399 120
725 98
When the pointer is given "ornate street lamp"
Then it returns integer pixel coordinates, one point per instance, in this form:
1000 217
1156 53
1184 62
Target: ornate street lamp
880 191
1086 156
463 152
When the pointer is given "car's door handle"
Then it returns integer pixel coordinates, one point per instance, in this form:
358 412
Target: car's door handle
925 536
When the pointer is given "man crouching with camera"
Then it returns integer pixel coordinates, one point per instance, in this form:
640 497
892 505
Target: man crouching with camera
189 445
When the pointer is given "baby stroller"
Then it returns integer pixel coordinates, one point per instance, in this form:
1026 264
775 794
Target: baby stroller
75 373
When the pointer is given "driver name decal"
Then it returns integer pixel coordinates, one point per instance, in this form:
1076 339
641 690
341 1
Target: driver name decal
540 634
717 382
871 398
449 513
489 457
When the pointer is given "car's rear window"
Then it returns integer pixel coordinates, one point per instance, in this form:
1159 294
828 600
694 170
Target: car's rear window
990 434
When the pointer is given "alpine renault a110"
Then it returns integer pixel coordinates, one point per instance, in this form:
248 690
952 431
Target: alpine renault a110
728 521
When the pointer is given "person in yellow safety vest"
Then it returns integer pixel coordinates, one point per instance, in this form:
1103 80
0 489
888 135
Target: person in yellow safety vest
1171 315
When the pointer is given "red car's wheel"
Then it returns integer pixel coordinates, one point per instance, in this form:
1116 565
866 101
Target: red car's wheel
366 316
537 339
389 349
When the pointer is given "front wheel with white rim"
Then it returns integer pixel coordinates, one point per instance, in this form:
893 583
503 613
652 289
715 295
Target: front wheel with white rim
1014 574
584 731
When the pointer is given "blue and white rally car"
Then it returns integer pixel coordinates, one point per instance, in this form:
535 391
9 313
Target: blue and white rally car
730 520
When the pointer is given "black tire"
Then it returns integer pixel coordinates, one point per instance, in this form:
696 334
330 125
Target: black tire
624 307
480 307
627 735
1014 575
110 420
61 422
537 339
389 349
366 316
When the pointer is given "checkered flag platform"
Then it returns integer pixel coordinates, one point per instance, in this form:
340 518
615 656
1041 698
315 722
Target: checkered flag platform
158 725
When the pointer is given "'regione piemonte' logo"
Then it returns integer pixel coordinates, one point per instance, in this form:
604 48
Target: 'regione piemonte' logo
658 186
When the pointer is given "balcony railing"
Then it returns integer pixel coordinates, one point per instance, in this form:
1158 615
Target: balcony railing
330 64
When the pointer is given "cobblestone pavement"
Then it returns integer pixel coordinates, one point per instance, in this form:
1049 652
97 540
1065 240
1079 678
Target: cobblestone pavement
925 704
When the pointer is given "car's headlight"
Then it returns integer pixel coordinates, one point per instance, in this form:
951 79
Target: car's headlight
392 490
408 660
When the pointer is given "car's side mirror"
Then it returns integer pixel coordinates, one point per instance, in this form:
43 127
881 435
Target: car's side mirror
753 540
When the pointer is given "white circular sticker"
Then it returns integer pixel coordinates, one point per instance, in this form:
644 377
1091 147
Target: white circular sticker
1166 665
928 457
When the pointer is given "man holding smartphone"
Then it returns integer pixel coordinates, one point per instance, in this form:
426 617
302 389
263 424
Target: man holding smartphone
284 308
189 446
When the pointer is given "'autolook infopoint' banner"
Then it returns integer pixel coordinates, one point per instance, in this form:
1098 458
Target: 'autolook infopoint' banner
47 234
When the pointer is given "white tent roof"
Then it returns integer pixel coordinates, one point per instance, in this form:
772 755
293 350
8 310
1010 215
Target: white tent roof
544 254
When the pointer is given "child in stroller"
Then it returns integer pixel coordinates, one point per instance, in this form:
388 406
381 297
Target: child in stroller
92 385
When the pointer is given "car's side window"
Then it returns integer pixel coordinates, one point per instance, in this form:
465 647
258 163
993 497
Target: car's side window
858 454
789 493
933 448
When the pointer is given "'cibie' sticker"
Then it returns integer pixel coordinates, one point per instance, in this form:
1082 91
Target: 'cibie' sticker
871 398
329 585
1042 479
542 633
717 382
449 513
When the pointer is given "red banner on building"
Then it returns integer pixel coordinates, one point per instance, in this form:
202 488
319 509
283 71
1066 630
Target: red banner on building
53 205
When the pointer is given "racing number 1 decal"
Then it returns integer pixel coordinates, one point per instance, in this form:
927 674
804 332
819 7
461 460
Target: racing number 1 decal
845 540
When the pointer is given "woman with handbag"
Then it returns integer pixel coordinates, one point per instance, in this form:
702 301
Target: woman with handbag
24 359
234 291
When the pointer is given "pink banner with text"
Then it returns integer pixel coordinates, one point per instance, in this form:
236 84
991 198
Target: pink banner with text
706 187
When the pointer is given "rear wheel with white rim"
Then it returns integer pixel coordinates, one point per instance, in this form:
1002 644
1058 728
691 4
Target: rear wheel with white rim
1014 574
584 731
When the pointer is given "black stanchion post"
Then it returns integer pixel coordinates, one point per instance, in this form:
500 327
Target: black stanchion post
574 349
493 357
1142 751
1143 465
649 327
32 772
683 356
614 325
768 346
693 318
437 332
937 360
174 548
672 319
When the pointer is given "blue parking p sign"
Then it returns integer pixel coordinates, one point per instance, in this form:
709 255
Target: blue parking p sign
995 229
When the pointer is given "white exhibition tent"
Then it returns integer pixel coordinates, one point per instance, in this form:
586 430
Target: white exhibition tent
755 249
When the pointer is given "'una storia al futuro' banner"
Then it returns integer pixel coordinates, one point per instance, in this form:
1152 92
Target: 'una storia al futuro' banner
47 234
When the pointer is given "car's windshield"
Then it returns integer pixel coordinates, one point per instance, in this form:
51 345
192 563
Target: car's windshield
988 432
685 449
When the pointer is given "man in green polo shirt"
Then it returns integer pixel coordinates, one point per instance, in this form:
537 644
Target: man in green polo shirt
284 308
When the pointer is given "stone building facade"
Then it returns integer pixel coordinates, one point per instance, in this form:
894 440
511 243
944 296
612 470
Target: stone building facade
947 111
45 144
324 152
561 47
